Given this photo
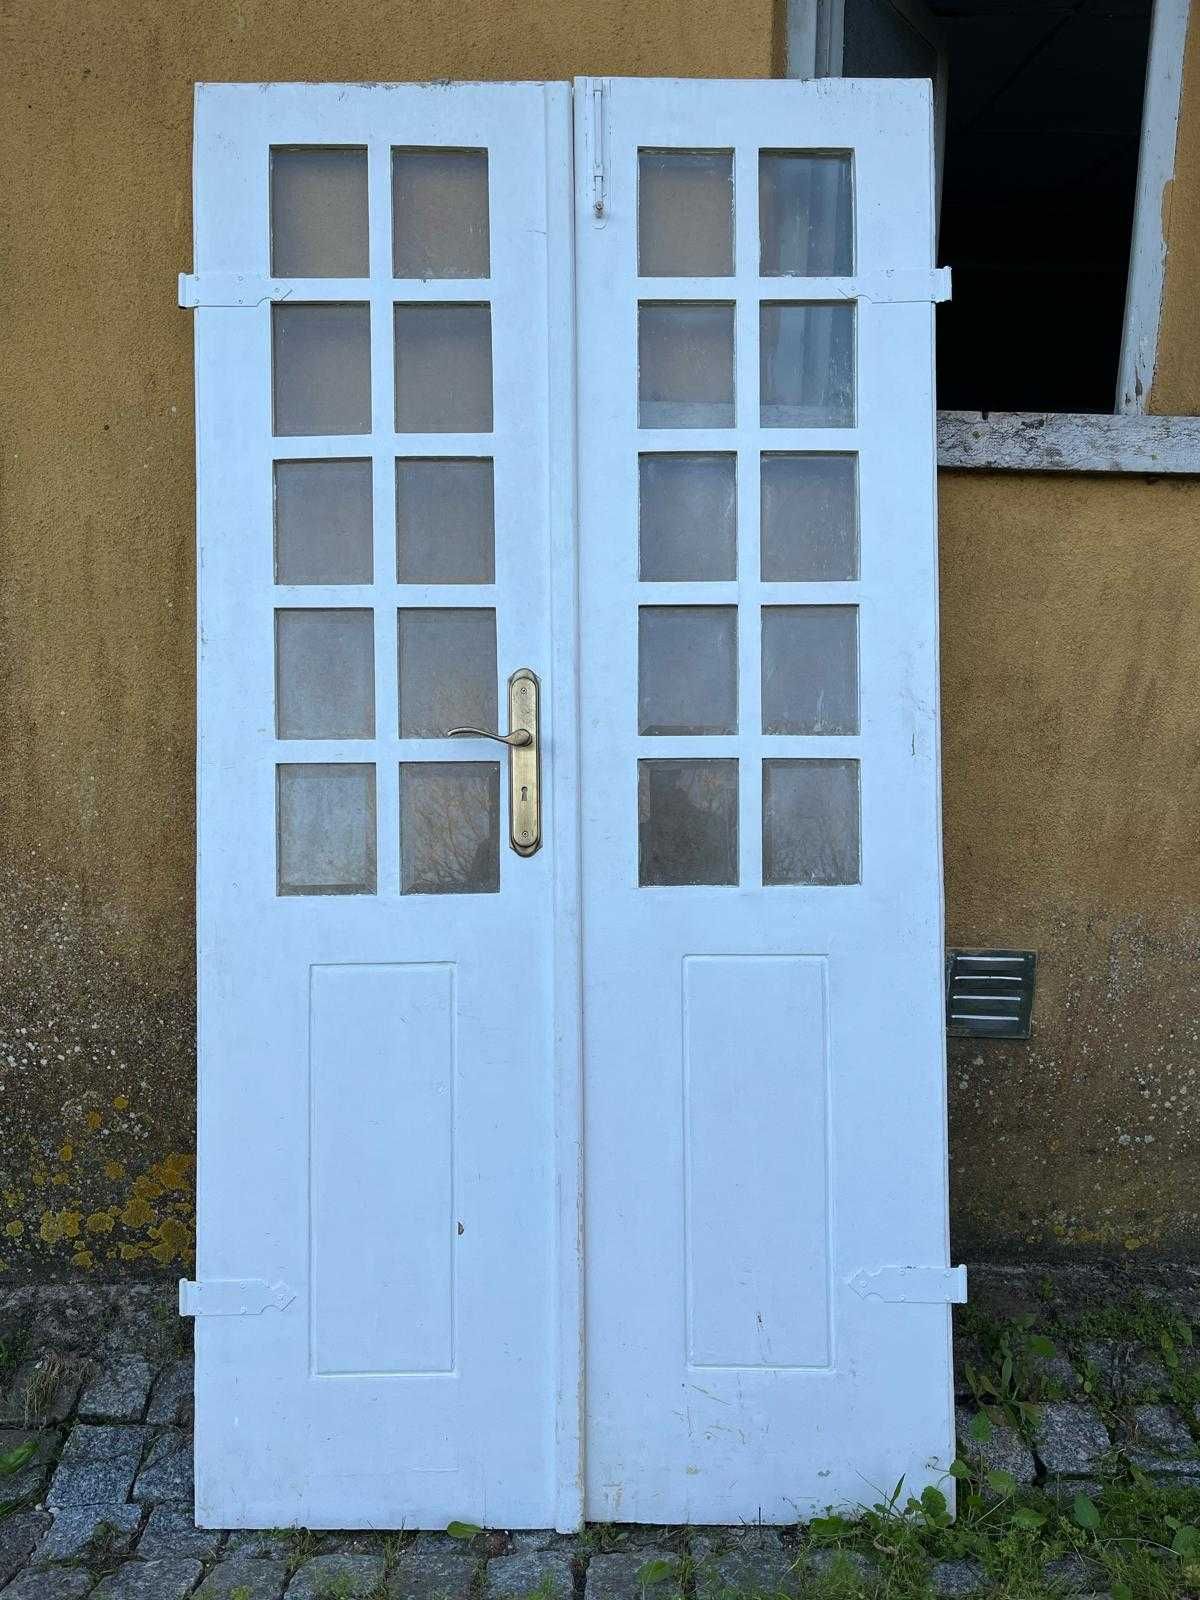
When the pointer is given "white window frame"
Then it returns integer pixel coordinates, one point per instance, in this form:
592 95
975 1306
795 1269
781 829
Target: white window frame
1126 440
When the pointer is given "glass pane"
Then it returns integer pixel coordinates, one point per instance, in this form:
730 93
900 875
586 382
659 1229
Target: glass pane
805 215
447 671
685 213
319 212
688 821
323 522
324 674
809 518
440 213
806 366
321 368
443 368
810 669
687 507
810 822
687 669
326 827
445 522
449 827
685 366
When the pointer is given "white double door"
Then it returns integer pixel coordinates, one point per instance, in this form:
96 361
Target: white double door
571 1113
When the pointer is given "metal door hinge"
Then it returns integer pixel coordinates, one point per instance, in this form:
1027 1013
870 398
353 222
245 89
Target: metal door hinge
232 290
929 1286
232 1297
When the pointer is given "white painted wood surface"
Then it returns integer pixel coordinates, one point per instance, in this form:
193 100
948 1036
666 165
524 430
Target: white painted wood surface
1156 169
764 1068
388 1082
1057 441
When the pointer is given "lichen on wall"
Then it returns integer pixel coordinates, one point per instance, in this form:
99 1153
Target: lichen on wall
96 1095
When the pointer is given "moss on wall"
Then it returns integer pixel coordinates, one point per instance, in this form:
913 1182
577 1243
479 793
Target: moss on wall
1071 730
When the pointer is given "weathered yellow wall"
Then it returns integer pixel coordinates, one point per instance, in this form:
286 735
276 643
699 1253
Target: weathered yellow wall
1070 730
1176 387
1071 727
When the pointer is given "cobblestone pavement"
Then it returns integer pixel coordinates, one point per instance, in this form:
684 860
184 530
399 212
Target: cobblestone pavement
98 1380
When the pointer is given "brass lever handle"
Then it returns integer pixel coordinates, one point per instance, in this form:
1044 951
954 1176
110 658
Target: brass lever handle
516 740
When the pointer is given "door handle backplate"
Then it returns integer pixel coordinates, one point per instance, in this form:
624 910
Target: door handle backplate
524 761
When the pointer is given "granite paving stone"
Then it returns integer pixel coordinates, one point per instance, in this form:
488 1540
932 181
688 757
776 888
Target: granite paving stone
247 1579
957 1578
1070 1439
514 1577
145 1321
167 1472
118 1391
151 1580
40 1391
28 1480
64 1583
258 1544
619 1576
171 1532
1129 1370
433 1567
20 1532
79 1530
1073 1575
72 1316
1003 1450
825 1563
98 1465
171 1400
1161 1442
757 1563
348 1577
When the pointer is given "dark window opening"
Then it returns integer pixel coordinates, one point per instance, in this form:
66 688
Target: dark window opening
1043 120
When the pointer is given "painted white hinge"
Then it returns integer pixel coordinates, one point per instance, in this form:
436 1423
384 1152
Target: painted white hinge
232 1297
901 286
927 1286
599 136
230 289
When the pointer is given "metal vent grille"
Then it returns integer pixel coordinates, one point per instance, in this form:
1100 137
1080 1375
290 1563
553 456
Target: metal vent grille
989 993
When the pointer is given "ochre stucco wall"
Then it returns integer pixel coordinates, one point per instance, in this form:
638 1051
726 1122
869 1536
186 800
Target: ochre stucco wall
96 543
1070 739
1176 387
1071 762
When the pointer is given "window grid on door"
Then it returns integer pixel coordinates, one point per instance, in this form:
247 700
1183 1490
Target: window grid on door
385 468
747 542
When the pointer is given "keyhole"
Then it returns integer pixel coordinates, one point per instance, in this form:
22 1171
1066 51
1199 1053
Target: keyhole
524 794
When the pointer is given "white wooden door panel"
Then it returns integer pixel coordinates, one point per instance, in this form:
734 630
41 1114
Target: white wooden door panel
379 1110
764 1059
457 416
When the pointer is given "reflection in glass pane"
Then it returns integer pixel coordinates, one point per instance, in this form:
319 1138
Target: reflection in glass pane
445 521
440 213
319 212
324 674
447 671
805 213
449 827
321 367
323 522
685 365
806 365
443 368
687 669
810 669
688 821
687 513
810 822
809 518
326 828
685 213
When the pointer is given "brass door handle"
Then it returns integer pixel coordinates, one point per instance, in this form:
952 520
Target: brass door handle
516 740
524 761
